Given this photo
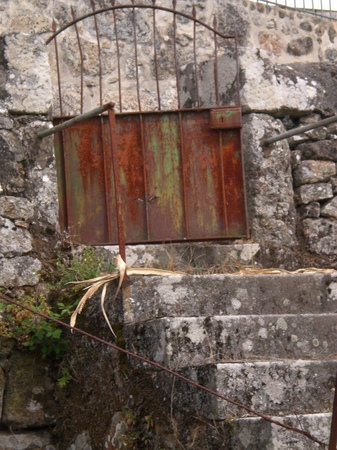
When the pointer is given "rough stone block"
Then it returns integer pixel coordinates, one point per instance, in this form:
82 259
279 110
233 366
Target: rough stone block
308 193
19 271
28 399
330 209
313 172
254 433
323 150
272 388
23 441
148 298
28 81
278 387
312 210
195 341
14 240
321 235
16 208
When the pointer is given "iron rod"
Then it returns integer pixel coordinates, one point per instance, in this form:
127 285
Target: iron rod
118 59
136 55
300 130
99 54
117 184
81 55
75 120
175 52
195 55
146 187
112 8
58 70
155 55
216 74
333 430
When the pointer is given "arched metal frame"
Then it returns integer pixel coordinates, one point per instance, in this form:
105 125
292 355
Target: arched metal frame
193 153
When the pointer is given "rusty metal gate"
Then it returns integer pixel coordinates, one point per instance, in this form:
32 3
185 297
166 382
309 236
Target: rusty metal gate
153 171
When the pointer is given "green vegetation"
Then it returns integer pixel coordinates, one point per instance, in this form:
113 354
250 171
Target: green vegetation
37 333
136 431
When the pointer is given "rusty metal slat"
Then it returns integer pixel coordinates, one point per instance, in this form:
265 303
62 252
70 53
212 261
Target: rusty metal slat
195 55
224 202
81 54
183 170
162 147
203 180
175 51
146 193
117 183
107 164
155 55
131 170
234 182
99 53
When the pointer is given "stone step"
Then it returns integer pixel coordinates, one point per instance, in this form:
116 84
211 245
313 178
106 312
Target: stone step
180 342
267 387
149 298
190 256
253 433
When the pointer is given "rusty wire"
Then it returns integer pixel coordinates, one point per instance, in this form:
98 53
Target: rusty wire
171 372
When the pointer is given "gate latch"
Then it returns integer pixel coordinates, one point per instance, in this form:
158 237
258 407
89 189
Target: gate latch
226 118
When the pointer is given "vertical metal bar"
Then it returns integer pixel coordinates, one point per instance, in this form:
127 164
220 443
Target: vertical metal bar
238 87
146 194
174 2
223 190
195 55
81 55
99 55
117 183
216 75
136 54
58 70
333 430
63 177
183 159
155 54
107 164
118 60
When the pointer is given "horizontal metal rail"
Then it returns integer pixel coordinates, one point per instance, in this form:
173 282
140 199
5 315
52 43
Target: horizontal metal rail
320 8
75 120
300 130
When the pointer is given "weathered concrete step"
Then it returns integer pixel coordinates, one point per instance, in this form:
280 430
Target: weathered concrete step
189 256
256 434
194 341
153 297
272 388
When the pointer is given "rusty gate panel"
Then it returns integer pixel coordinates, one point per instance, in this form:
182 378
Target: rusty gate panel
168 166
179 179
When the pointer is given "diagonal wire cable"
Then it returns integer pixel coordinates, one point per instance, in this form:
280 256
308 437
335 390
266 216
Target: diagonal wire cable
166 369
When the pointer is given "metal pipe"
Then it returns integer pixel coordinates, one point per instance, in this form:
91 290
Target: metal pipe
77 119
333 430
300 130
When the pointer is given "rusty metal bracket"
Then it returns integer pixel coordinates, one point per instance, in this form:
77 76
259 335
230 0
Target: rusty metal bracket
94 112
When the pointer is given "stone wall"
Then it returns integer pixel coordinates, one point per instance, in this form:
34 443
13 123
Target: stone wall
287 79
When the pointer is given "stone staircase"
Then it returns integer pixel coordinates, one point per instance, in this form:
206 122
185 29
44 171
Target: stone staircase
267 341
